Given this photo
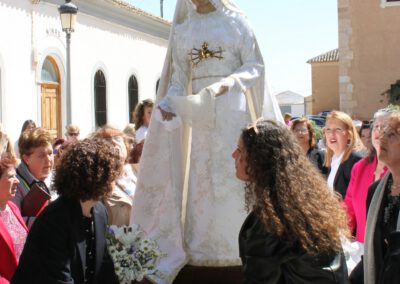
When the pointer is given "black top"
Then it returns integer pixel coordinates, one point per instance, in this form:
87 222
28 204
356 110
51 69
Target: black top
88 225
317 158
268 259
386 239
55 250
343 174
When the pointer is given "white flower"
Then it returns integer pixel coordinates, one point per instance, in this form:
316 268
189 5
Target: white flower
134 255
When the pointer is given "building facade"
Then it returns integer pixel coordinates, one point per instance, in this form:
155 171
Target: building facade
369 54
117 54
325 82
292 103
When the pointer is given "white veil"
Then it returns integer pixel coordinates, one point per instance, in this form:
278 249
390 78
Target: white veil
265 104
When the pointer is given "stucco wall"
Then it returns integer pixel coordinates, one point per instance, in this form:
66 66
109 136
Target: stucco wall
325 86
369 54
30 32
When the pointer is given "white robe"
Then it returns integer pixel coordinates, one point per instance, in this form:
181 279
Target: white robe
207 234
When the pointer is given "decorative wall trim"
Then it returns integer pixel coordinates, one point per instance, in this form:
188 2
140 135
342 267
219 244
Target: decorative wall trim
121 13
385 3
346 100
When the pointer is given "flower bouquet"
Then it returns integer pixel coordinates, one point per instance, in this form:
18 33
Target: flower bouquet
134 255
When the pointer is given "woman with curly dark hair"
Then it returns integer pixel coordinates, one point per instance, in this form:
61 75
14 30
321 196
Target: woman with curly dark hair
67 242
293 233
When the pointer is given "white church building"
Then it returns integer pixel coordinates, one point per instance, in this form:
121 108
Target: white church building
117 54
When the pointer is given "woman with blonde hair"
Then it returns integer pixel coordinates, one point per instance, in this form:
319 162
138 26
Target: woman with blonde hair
72 133
294 229
341 137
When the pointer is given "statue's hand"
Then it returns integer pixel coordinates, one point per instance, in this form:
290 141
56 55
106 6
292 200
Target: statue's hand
166 115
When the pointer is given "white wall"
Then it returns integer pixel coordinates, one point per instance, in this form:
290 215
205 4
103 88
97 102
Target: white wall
298 110
19 94
117 50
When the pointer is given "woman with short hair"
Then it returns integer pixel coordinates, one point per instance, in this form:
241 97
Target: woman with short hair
67 243
37 161
382 235
13 230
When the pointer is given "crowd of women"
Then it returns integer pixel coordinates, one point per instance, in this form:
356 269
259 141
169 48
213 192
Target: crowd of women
64 192
303 201
313 215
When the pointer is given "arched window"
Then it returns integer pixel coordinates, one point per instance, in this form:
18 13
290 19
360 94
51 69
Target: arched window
157 84
100 99
48 73
133 96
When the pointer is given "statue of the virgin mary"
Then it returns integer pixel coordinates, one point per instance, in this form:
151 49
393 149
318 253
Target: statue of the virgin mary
212 85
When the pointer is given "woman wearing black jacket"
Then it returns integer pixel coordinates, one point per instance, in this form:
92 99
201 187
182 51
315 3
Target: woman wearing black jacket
67 242
304 132
341 140
292 234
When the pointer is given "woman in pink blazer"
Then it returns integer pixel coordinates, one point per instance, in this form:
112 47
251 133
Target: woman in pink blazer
363 174
13 230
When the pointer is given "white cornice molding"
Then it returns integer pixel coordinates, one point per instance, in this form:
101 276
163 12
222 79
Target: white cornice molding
385 3
123 14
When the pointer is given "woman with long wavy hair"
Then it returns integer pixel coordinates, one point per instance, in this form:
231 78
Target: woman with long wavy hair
293 233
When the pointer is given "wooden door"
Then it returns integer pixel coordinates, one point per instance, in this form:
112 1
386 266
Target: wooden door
51 109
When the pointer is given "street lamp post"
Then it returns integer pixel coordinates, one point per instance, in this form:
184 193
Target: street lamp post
68 12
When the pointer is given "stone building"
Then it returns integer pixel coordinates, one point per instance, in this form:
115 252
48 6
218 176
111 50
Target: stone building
325 81
369 58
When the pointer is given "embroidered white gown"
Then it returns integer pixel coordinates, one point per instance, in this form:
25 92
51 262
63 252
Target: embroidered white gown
215 197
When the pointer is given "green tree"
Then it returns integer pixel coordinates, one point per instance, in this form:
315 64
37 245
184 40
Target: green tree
393 93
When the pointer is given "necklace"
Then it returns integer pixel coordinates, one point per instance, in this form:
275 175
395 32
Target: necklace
395 188
393 203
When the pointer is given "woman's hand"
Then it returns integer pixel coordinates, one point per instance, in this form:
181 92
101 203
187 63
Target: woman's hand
166 115
222 90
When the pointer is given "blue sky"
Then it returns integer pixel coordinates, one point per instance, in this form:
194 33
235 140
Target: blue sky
289 33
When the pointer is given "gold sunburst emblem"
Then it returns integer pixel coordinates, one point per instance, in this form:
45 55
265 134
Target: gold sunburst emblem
197 55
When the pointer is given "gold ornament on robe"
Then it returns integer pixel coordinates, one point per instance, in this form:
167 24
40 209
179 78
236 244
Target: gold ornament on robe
198 55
